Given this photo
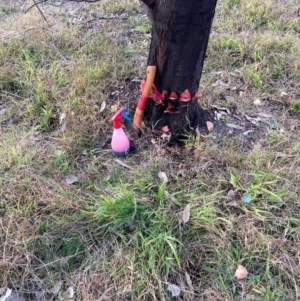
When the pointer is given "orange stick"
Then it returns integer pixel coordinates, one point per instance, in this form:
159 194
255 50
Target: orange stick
139 112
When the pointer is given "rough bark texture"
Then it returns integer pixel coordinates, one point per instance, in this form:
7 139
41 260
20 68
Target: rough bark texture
180 35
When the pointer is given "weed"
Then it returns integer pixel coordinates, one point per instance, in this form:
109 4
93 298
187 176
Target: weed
296 106
253 76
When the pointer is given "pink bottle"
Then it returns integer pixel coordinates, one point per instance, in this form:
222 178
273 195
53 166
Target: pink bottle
119 143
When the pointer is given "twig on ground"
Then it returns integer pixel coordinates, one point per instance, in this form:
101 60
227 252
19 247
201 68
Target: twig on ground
37 5
12 94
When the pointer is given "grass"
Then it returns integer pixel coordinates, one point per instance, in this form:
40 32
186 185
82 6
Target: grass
116 233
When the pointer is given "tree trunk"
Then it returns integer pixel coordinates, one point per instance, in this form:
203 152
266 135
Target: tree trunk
180 32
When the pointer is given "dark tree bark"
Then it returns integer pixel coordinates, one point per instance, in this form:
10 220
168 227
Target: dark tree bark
180 33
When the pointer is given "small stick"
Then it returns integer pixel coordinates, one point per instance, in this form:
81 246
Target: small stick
139 112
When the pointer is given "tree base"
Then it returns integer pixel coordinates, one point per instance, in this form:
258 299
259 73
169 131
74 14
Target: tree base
179 117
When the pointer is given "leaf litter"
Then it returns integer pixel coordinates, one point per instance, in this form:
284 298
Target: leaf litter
186 214
162 175
70 179
174 289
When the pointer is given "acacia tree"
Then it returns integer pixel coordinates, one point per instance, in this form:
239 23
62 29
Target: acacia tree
180 33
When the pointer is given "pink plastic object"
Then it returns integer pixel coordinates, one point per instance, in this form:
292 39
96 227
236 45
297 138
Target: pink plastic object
119 143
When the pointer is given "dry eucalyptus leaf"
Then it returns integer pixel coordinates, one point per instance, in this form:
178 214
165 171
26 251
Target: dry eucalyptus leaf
162 175
68 294
188 280
186 214
254 121
234 126
241 272
122 163
70 179
62 121
170 196
221 110
174 289
103 105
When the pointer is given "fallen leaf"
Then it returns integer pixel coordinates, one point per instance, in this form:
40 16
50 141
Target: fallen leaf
153 141
70 179
62 117
254 121
282 94
221 110
122 163
162 175
188 280
136 79
257 102
68 294
174 289
186 214
103 105
246 198
234 126
62 121
170 196
114 108
241 272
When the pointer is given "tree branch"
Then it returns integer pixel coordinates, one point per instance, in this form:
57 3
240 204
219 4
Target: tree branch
37 5
43 1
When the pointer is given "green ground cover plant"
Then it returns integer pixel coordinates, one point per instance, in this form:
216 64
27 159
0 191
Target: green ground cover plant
175 221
